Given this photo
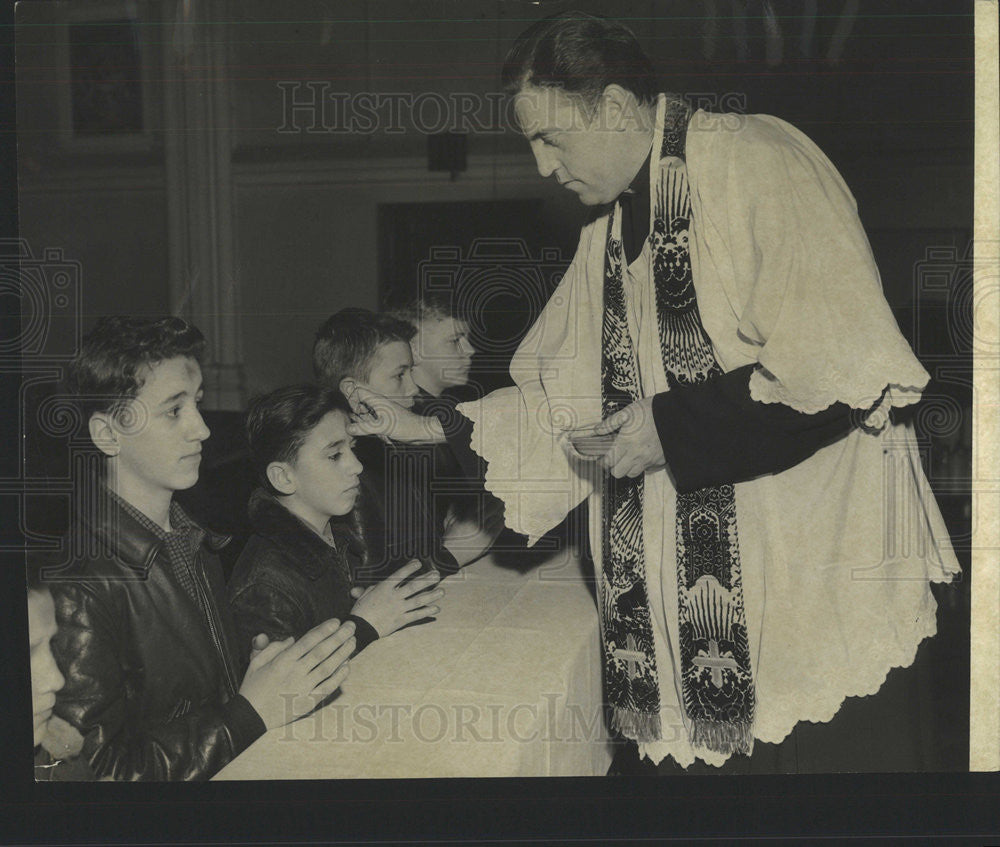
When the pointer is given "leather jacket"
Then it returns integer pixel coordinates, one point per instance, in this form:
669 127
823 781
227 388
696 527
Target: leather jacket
288 580
151 683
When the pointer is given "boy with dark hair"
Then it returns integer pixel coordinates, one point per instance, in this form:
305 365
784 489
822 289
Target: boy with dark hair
358 349
357 346
145 641
297 567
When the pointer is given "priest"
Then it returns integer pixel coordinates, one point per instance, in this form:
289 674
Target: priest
718 374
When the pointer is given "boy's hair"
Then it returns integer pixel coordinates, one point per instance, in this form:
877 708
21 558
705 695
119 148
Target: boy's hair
346 343
107 371
437 304
278 423
580 54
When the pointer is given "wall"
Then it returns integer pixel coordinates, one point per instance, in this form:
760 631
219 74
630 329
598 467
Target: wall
893 112
320 250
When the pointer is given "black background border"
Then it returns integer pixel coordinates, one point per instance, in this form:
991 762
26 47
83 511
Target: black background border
860 808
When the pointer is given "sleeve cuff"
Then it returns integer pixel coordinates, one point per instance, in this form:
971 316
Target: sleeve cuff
364 633
245 725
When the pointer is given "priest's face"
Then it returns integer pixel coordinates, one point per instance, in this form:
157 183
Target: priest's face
583 149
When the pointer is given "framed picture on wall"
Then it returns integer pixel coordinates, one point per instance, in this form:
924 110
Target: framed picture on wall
106 88
107 104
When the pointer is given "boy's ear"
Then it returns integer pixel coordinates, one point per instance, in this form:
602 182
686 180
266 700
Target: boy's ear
347 387
103 433
415 345
281 477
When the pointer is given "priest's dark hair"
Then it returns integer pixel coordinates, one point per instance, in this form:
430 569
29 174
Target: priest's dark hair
346 343
277 423
109 369
581 54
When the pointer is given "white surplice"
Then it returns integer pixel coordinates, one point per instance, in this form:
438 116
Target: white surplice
837 552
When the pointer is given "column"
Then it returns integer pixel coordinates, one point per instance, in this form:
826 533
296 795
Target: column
204 285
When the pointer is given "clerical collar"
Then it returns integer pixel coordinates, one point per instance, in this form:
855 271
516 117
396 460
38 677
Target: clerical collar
640 183
634 202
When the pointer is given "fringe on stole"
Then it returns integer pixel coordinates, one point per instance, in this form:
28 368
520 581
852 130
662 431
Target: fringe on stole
725 738
639 726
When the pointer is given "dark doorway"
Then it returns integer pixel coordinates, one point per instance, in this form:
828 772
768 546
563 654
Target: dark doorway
500 261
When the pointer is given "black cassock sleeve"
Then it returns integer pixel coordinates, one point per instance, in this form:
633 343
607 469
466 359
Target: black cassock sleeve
714 432
458 436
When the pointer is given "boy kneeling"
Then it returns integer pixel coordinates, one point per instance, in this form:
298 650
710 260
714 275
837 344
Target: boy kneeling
149 651
359 351
298 567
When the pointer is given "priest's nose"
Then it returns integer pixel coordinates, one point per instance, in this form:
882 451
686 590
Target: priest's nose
544 158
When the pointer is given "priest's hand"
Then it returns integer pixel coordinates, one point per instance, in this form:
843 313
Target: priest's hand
375 414
637 446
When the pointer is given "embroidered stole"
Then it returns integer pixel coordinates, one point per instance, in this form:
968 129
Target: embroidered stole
716 675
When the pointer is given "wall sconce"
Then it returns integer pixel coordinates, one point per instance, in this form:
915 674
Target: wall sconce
447 151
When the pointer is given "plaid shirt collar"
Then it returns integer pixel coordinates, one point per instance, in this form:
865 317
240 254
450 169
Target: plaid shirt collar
184 529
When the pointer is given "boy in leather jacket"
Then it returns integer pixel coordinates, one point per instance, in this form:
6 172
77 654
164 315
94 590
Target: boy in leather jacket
157 681
356 349
298 567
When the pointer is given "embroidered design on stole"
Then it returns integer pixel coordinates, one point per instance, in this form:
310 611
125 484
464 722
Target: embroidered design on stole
630 665
716 675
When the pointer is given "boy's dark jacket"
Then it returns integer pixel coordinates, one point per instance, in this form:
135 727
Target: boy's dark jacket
151 689
399 510
288 580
